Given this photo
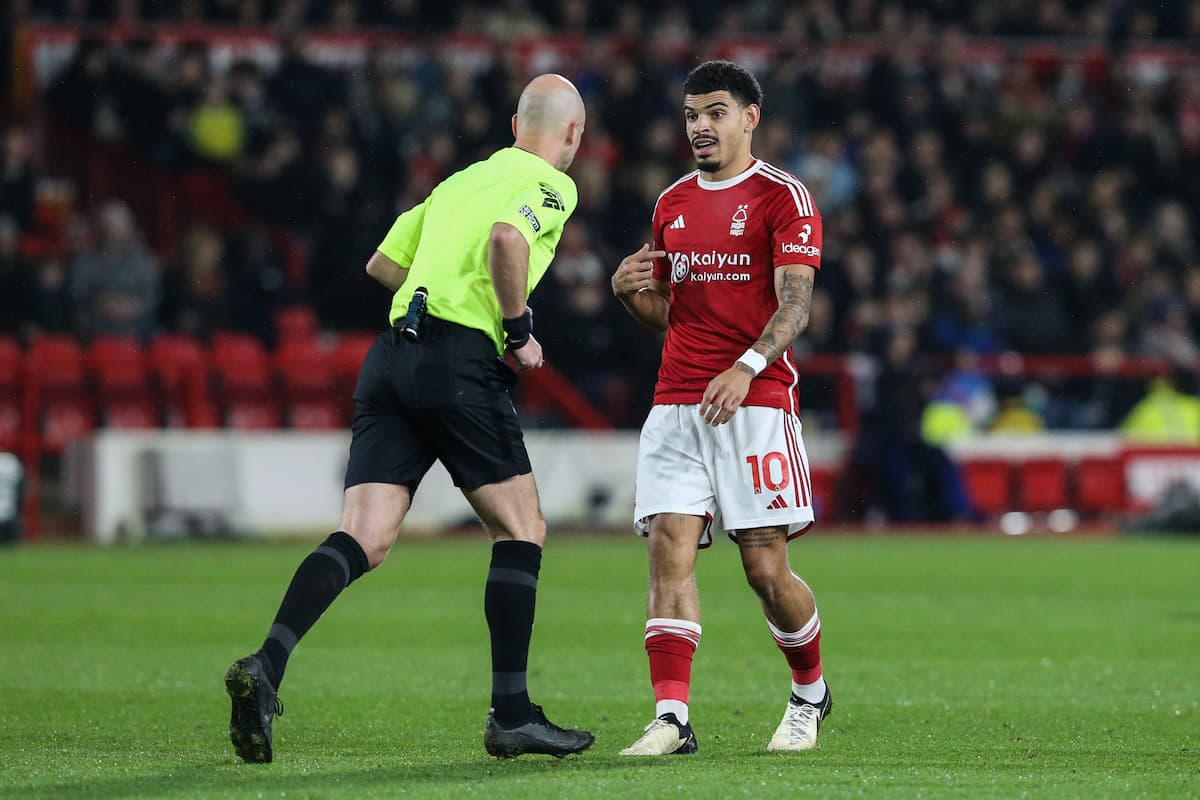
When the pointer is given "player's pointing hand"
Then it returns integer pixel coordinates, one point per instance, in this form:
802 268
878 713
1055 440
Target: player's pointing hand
634 273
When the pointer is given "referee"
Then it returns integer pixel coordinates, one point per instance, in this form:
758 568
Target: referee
435 387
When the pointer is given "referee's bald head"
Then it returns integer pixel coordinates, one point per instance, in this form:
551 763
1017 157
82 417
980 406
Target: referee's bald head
549 120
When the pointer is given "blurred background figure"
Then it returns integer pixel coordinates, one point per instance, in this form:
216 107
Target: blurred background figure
1169 413
18 177
196 300
1017 410
115 285
900 453
15 277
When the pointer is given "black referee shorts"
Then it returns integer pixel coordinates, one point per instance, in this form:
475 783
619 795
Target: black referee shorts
444 397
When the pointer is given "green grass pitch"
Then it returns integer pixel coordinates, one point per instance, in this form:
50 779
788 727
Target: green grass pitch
964 667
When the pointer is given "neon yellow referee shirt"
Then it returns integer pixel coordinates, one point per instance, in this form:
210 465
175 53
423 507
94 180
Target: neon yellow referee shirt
443 241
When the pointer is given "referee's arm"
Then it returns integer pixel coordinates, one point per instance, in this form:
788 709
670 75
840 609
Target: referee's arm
386 271
508 261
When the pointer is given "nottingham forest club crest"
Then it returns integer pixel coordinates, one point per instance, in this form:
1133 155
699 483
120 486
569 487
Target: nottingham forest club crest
737 225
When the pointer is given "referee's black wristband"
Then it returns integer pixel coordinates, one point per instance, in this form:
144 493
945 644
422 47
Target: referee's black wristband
517 331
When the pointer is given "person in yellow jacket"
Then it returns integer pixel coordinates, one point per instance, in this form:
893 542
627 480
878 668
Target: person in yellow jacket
1166 415
1018 412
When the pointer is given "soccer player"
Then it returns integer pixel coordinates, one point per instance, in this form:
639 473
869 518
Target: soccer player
737 244
435 386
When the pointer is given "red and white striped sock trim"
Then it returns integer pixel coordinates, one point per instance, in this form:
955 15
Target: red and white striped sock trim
664 626
797 638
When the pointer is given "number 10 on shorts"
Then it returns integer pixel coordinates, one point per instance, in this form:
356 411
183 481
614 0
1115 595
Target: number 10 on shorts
771 471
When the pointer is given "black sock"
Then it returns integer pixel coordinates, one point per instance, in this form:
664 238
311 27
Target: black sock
508 602
318 581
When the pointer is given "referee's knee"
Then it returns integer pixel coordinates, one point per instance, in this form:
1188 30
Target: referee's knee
376 547
532 531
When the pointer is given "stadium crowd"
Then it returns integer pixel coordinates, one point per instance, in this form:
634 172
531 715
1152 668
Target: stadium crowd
973 206
823 19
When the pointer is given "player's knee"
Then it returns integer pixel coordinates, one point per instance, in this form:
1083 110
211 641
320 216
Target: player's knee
766 581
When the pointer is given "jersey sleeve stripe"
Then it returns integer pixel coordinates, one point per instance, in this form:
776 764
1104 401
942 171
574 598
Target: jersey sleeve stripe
801 209
687 177
792 181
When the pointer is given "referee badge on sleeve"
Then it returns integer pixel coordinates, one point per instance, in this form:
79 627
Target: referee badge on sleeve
553 199
528 214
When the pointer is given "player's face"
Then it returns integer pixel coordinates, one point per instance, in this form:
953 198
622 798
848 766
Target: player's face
718 128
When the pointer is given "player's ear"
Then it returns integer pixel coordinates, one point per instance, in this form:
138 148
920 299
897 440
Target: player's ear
752 114
514 126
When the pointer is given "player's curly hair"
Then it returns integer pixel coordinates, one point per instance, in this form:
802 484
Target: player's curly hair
714 76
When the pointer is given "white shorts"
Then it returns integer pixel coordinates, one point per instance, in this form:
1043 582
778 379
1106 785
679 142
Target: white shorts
751 472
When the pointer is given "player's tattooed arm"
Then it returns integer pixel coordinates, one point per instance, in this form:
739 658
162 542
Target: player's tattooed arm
794 288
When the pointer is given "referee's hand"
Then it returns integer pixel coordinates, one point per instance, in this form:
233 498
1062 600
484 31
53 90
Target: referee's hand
635 271
529 355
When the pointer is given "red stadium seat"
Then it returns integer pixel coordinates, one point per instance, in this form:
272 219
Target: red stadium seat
240 364
179 367
307 375
243 380
1042 485
67 411
348 356
1100 485
295 323
11 358
122 379
989 485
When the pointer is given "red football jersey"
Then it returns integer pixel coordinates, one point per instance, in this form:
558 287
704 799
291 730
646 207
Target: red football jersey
724 241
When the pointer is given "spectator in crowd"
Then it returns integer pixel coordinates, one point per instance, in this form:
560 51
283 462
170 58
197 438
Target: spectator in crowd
1016 414
1086 290
217 130
899 469
1169 413
115 286
85 95
1030 319
18 178
598 350
195 296
143 98
49 305
15 277
258 284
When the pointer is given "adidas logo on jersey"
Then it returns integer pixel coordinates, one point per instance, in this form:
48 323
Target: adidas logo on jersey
778 503
678 223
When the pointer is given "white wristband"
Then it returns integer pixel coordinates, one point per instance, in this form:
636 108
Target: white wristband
754 360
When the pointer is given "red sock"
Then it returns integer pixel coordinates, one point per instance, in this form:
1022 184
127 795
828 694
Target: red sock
670 644
802 649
